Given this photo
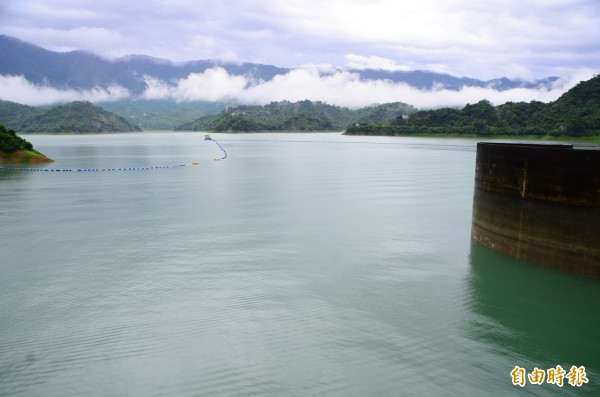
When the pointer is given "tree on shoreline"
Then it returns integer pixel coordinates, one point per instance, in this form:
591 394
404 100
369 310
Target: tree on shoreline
10 141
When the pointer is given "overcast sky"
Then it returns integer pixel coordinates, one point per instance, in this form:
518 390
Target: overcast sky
481 39
527 39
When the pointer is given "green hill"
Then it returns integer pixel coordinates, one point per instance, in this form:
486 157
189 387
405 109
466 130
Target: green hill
293 116
382 112
576 113
77 117
160 114
14 149
12 113
578 110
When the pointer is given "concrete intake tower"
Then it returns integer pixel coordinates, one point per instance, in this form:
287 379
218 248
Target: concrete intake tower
540 203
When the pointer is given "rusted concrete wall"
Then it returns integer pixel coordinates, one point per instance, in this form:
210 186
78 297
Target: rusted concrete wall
540 203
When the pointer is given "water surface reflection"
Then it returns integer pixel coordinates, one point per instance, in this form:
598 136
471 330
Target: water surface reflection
537 316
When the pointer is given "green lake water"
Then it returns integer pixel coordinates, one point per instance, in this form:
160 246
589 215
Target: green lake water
301 265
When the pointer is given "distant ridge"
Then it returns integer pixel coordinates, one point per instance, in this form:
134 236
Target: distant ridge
81 70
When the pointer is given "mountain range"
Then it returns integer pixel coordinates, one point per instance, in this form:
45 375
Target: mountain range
84 117
80 70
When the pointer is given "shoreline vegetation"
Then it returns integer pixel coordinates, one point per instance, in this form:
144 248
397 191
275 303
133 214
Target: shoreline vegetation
576 114
16 150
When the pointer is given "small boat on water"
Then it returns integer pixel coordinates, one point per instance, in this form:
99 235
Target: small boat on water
207 137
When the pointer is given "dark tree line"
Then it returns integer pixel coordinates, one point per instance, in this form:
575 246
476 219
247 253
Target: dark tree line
9 141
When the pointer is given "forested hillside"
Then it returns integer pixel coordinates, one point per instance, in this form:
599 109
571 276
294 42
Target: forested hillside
576 113
75 117
294 116
12 113
159 114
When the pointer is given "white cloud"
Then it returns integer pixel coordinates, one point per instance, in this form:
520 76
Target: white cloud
313 82
479 39
18 89
341 88
213 84
157 89
359 62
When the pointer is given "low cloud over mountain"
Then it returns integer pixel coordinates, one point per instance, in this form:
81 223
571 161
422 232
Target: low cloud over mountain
35 76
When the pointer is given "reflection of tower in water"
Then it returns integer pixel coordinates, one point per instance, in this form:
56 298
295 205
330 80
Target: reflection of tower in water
540 203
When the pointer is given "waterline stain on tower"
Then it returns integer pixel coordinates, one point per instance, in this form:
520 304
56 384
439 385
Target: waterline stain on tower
540 203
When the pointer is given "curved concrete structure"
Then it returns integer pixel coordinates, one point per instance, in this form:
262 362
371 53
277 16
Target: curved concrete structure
540 203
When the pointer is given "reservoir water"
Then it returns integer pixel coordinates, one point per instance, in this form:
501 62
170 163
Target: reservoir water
301 265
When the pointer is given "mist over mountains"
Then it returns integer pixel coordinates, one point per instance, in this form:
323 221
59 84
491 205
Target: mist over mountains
81 70
32 75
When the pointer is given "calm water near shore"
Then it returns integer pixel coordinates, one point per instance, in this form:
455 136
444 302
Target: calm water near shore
301 265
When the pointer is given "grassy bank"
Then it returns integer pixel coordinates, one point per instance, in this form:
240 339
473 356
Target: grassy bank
23 156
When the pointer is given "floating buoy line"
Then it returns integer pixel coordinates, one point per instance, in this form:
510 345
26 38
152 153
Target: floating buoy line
106 169
30 169
209 138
